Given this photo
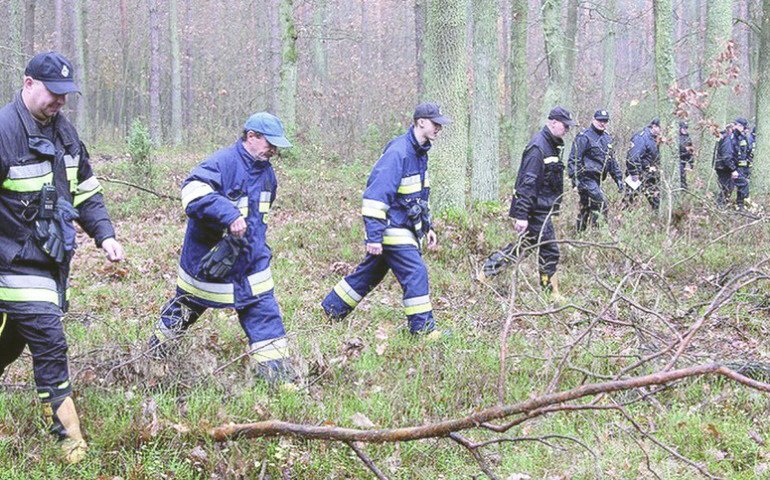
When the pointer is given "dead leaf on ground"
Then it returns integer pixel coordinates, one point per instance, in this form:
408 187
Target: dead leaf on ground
361 421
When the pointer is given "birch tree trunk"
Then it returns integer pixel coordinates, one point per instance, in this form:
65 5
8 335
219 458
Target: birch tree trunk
485 117
761 185
519 86
446 83
29 28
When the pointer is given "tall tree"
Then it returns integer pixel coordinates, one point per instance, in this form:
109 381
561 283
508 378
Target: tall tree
79 31
519 87
485 118
58 37
274 16
446 82
609 54
762 155
12 80
420 9
176 74
664 55
288 88
554 53
570 50
154 88
719 25
29 28
187 62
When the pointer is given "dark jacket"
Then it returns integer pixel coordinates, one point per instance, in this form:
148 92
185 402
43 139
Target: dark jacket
593 155
28 160
227 185
685 148
540 182
741 149
643 153
399 181
723 153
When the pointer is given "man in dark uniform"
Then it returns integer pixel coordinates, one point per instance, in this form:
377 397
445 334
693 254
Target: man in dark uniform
592 157
741 156
686 149
643 165
46 182
724 164
537 197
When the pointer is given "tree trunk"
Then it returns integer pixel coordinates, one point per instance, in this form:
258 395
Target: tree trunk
29 28
288 97
664 57
609 55
58 42
81 72
12 80
570 50
520 98
420 10
485 118
446 82
274 15
718 32
156 134
761 185
554 53
176 75
187 64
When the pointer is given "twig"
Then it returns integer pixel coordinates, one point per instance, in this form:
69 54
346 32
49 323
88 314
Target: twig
138 187
367 461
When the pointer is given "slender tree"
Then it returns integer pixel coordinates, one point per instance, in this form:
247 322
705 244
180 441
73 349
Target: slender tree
520 98
154 87
58 38
288 88
609 54
664 55
570 50
420 9
762 155
176 74
82 114
274 90
446 82
29 28
485 118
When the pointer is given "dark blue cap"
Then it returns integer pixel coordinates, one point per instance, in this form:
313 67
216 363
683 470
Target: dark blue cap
269 126
742 121
432 112
683 124
602 115
54 71
562 115
655 121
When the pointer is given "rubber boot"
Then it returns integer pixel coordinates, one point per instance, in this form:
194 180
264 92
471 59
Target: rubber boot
497 261
278 373
64 422
550 286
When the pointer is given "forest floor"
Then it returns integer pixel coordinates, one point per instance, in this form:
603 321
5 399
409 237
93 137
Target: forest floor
650 276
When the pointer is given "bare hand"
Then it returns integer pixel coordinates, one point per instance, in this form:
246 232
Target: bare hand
374 248
735 174
238 227
432 240
113 249
520 226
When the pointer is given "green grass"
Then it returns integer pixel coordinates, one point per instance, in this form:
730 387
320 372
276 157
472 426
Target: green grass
392 379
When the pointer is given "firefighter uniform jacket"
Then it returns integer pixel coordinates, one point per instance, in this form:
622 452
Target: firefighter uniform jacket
643 154
227 185
31 156
398 182
593 155
540 182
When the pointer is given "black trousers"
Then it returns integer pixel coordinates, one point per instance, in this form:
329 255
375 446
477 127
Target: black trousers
44 334
592 202
540 230
726 186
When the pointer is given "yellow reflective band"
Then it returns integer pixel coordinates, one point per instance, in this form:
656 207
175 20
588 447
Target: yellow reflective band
261 282
64 385
214 292
338 289
28 295
373 213
548 160
27 184
407 189
264 207
399 236
2 325
193 191
82 197
43 394
273 349
414 310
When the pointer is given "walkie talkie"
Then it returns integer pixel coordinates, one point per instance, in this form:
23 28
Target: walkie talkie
47 202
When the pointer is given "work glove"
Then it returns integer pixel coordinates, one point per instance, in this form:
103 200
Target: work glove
50 239
64 214
218 262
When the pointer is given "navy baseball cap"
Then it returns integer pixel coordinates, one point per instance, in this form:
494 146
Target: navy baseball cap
683 124
602 115
655 121
54 70
432 112
269 126
562 115
742 121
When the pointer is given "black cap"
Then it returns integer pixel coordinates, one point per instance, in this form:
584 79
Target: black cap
54 71
655 121
602 115
683 124
562 115
742 121
432 112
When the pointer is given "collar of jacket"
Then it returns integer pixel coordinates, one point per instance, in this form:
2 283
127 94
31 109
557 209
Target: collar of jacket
555 142
597 131
251 163
420 149
30 124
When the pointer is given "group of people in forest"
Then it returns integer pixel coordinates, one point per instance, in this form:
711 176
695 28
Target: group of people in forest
46 183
